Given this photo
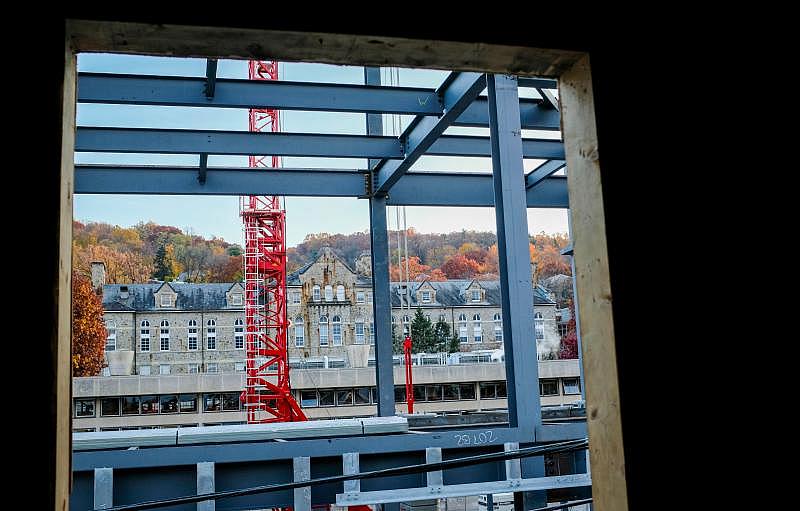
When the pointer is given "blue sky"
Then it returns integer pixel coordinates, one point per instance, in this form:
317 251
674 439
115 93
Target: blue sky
218 216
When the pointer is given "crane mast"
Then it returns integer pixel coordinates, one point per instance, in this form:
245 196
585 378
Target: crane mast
267 395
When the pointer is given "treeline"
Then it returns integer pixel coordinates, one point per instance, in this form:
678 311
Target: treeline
455 255
150 251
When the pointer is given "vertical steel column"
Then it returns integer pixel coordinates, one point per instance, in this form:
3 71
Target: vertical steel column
302 472
103 488
350 465
205 484
522 370
381 301
575 307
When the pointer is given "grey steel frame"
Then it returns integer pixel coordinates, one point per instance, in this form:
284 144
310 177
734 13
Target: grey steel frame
386 182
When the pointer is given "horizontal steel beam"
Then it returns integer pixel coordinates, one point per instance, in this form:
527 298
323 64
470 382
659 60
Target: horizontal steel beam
229 93
456 145
533 116
542 172
144 140
537 83
458 91
413 189
440 189
462 490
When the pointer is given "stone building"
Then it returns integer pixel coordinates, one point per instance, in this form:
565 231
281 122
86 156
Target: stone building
183 328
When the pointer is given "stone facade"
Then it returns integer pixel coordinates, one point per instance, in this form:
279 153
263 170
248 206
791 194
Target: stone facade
329 310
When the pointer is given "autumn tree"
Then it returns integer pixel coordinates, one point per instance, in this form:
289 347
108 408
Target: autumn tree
569 344
88 328
415 270
460 267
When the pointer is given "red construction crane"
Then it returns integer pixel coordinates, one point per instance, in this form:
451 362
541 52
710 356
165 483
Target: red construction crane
267 396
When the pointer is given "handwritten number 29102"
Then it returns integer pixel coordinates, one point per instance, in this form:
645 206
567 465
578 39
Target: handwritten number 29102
484 437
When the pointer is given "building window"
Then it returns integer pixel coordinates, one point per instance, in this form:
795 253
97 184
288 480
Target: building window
466 390
169 404
337 331
144 370
476 295
462 328
149 404
238 333
328 293
236 299
188 403
308 399
498 328
238 367
450 392
406 324
212 402
130 405
144 336
361 396
369 296
299 332
316 294
477 333
230 402
371 333
442 318
360 297
84 408
166 300
326 398
344 397
211 335
323 331
548 387
538 323
359 331
164 335
212 367
192 335
194 368
109 407
295 296
111 338
399 394
340 293
426 297
163 369
434 392
571 386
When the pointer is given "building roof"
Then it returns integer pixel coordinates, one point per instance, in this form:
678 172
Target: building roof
450 293
141 297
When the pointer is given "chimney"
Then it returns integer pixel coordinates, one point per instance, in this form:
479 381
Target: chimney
98 275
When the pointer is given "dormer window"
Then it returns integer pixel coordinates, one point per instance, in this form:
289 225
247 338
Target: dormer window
360 297
236 299
426 297
166 300
476 295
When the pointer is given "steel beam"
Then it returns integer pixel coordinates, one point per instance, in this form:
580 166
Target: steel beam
514 258
103 488
230 93
457 92
538 83
381 306
456 145
462 490
532 115
302 472
414 189
211 78
350 465
205 484
542 172
145 140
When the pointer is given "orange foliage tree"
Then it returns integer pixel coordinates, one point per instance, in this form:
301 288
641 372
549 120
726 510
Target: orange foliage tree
460 267
415 269
88 328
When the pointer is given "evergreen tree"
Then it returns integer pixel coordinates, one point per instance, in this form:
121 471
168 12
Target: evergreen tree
397 342
442 337
164 264
455 344
422 336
